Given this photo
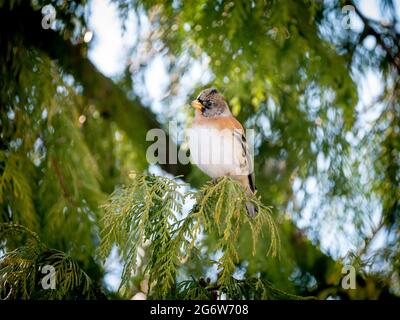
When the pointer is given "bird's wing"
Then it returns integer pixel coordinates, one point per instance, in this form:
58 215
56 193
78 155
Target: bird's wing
246 157
245 152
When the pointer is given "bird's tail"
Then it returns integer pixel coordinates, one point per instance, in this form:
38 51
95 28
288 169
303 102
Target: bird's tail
250 188
251 209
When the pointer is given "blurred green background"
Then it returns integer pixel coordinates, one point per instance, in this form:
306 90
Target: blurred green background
82 82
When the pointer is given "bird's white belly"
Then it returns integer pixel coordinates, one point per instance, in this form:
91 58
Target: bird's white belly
216 152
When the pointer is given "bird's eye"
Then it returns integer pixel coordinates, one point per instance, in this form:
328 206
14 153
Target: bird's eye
208 104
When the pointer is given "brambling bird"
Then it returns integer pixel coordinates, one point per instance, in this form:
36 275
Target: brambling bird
218 144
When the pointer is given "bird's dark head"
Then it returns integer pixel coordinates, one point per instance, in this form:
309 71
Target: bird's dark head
211 103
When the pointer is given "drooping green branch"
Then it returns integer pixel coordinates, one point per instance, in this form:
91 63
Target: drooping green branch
142 211
149 211
23 270
23 22
221 210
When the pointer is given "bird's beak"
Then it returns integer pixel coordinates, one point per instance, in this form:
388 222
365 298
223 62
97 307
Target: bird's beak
197 105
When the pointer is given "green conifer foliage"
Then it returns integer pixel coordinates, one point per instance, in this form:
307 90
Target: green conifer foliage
149 210
21 276
69 136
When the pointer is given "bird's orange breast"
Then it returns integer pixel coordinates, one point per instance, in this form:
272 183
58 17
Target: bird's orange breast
218 123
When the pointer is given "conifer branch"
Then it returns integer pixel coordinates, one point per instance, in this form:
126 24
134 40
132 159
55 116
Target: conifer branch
147 210
20 270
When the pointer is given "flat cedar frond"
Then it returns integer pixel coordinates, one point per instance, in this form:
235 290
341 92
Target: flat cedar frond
21 276
144 211
16 190
147 211
221 206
